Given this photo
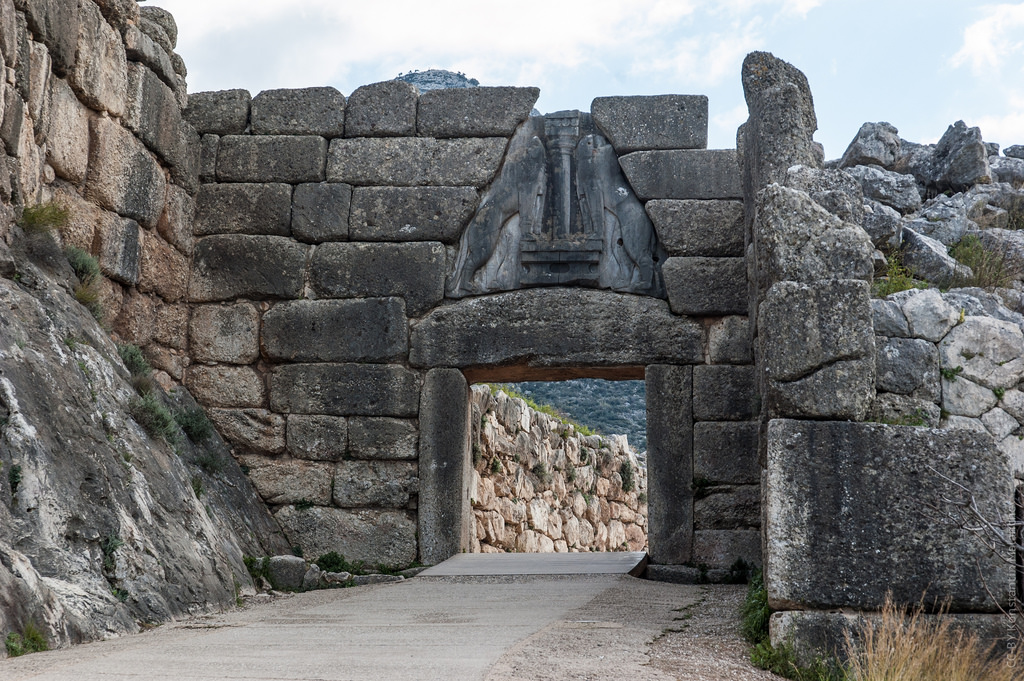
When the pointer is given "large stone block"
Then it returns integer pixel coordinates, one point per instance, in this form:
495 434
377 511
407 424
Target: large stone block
162 269
226 386
185 171
123 176
376 537
241 266
658 122
345 390
67 147
225 333
721 548
55 23
119 248
375 483
726 452
683 174
153 114
445 467
139 47
208 147
271 158
735 507
304 111
530 328
474 111
386 109
729 341
702 286
320 212
9 32
817 349
670 464
382 438
907 366
223 112
99 74
848 519
366 330
724 393
243 208
412 162
411 213
289 481
317 437
413 271
694 227
253 429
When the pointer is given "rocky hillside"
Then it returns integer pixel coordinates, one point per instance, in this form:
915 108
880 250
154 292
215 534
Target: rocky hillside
541 486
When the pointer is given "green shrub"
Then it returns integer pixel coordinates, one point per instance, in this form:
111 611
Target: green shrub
989 268
134 360
197 486
194 422
257 567
14 477
86 267
897 278
150 413
31 640
335 562
43 218
626 472
209 460
109 546
495 466
541 471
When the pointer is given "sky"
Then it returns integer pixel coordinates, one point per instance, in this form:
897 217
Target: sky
918 64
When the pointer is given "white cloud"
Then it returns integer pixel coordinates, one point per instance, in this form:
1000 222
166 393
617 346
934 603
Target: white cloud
1007 128
993 40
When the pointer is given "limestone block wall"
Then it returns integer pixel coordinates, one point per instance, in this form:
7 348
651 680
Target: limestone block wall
326 346
92 121
541 486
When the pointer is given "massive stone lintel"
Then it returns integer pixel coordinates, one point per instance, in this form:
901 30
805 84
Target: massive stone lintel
848 517
555 328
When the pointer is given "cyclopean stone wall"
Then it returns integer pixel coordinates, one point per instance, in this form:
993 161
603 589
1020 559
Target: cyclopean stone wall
539 485
359 261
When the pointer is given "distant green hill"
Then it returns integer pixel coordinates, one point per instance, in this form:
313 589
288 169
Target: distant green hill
609 407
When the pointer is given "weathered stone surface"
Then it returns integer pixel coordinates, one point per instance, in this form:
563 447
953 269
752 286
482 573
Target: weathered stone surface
670 464
415 162
57 25
367 330
875 144
724 547
798 240
474 112
226 386
67 148
1014 151
904 410
271 158
164 20
888 319
827 346
988 351
867 535
928 259
119 248
317 438
185 171
727 508
253 429
726 393
944 219
1008 170
304 111
928 315
162 269
683 174
891 189
999 423
136 318
528 328
883 224
834 190
242 266
99 71
209 145
959 160
139 47
285 572
9 32
694 227
320 212
445 468
243 208
729 341
907 366
224 333
726 452
375 483
411 213
649 123
123 176
345 389
152 113
382 438
413 271
706 286
376 537
223 112
962 397
386 109
281 480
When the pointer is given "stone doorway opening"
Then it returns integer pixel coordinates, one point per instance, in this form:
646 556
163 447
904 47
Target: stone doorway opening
554 467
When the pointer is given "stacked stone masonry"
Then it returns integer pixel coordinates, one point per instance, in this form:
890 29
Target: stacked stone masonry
326 236
542 486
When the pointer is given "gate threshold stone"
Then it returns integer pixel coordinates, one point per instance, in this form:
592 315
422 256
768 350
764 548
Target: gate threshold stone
487 564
